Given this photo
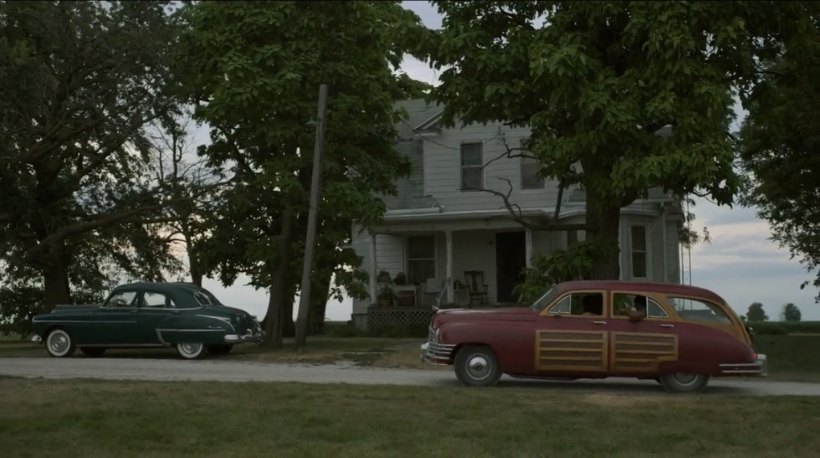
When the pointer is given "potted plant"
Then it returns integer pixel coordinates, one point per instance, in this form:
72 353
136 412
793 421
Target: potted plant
400 279
384 277
386 296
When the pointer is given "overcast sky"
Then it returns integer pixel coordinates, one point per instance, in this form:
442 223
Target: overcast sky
741 264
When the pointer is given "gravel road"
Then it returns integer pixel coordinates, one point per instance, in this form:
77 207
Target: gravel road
225 370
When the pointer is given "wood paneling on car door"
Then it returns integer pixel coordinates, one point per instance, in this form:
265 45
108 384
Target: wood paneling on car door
582 351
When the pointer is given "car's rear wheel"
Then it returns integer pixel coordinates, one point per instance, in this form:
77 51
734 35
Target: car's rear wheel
477 366
59 343
92 351
190 350
219 349
680 382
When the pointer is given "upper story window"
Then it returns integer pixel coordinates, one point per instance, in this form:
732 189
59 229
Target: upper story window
639 253
530 179
472 162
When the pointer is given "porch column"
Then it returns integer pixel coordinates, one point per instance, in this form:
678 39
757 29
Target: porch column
528 246
448 235
372 268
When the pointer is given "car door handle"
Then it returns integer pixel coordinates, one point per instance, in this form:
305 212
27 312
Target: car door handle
599 322
667 325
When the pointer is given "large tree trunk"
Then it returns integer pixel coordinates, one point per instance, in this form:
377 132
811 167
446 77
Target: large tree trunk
606 216
276 316
318 301
193 262
55 277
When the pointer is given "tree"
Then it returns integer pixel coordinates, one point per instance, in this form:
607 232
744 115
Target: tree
780 140
596 82
756 313
81 80
790 313
254 73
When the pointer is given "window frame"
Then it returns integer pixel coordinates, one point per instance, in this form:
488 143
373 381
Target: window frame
131 304
167 299
604 308
479 166
646 252
670 299
543 180
670 316
407 258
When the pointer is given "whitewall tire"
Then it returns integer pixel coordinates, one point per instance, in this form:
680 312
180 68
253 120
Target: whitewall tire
191 350
59 343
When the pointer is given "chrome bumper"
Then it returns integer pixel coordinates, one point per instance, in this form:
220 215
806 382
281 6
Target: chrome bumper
759 367
251 337
36 339
436 353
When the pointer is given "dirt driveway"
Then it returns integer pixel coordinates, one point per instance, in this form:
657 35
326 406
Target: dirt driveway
240 371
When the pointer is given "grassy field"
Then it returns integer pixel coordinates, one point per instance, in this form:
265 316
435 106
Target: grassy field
88 419
791 357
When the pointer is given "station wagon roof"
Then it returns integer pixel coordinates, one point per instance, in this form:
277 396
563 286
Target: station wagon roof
659 287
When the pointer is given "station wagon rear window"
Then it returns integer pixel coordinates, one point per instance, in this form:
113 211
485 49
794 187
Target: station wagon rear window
696 310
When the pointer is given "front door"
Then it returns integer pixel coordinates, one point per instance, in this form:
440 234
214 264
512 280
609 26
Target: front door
116 321
572 335
510 256
639 347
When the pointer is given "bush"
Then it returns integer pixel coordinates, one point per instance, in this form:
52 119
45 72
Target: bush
785 327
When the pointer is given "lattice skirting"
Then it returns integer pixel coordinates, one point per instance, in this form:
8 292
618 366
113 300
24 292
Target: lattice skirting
398 317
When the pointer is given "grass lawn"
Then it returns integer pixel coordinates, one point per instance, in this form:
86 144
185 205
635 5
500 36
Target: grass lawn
791 357
90 418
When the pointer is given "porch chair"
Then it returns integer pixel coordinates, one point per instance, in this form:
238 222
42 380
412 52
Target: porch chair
476 288
432 289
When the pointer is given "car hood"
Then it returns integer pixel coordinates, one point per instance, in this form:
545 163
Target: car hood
499 314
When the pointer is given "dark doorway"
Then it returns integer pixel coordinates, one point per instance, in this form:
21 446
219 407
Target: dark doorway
510 260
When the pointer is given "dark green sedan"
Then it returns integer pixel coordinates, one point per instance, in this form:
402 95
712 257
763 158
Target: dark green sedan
182 315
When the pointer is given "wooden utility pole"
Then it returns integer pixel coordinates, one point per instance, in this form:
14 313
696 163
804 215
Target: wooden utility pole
310 239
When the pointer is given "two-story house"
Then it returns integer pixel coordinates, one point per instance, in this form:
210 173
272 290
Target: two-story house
441 227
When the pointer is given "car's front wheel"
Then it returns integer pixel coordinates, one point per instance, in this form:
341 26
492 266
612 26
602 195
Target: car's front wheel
59 343
92 351
219 349
477 366
684 383
190 350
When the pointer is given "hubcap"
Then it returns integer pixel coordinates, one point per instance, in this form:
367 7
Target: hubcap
191 348
685 379
58 343
478 367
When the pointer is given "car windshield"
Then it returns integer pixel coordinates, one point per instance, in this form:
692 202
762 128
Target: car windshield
542 301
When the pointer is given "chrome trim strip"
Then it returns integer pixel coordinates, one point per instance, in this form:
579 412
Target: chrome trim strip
133 345
759 367
437 353
190 330
221 319
85 321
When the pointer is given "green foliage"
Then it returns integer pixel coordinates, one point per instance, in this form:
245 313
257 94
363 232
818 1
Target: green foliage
780 140
786 327
81 82
596 81
756 313
254 70
574 263
790 313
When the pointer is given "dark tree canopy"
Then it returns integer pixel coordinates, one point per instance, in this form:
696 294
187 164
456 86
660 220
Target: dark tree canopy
790 313
80 83
756 313
596 81
781 142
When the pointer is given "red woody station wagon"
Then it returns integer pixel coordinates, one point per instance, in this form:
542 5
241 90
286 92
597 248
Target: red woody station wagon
679 335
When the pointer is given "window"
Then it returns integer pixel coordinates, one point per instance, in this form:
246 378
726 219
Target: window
472 162
639 256
622 303
579 304
203 299
156 300
530 179
421 259
121 299
699 311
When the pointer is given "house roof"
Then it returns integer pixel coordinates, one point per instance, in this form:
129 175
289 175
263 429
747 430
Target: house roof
421 115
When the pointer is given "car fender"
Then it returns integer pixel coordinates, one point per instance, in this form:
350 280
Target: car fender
199 327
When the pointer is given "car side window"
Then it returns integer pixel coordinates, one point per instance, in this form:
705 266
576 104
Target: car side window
121 299
622 303
157 300
202 298
580 304
699 311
